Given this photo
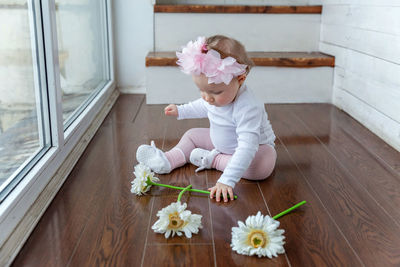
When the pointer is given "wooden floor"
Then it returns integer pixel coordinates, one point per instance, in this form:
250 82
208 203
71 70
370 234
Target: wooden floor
349 177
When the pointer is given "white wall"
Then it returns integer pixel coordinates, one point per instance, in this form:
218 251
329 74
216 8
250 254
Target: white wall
133 31
257 32
241 2
364 36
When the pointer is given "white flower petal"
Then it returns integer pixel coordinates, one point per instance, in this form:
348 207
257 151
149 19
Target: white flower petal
191 222
188 233
241 224
139 185
255 225
167 233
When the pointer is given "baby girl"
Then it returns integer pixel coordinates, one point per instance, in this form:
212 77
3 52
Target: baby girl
240 140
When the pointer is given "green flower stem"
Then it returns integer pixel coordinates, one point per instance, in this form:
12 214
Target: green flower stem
288 210
183 191
149 182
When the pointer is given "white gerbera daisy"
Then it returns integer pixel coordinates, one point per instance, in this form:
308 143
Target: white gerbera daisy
139 185
175 219
259 236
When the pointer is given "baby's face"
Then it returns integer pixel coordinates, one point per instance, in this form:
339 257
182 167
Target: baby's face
216 94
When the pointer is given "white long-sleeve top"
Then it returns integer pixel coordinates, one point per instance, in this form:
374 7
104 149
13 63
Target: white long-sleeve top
237 129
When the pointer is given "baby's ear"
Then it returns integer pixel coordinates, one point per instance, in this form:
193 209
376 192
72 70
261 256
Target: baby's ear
241 78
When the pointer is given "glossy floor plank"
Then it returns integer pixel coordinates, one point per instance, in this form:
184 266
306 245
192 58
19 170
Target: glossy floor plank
312 238
67 216
324 157
226 215
380 180
369 141
344 198
179 255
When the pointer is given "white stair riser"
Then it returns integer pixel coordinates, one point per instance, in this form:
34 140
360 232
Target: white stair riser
240 2
270 84
258 32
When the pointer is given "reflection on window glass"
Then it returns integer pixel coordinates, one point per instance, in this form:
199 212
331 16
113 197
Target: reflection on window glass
21 130
81 33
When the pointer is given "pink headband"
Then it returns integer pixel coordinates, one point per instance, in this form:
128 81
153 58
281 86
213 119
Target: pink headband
192 60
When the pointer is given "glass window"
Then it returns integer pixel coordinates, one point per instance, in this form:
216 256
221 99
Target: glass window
84 70
24 123
83 56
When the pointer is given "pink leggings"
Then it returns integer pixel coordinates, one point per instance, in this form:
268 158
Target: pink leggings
260 168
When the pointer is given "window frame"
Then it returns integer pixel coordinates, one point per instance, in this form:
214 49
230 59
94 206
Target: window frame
41 97
24 195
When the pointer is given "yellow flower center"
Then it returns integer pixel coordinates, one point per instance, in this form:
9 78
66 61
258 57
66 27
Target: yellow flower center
175 222
257 238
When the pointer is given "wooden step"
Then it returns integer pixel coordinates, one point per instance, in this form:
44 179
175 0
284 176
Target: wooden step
263 59
237 9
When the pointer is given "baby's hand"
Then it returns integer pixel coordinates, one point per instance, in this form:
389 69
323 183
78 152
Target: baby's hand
221 188
171 110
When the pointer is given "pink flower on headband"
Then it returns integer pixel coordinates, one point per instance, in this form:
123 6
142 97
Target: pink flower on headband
191 58
217 70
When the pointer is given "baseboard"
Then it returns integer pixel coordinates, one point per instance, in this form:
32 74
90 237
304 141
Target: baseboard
133 90
15 242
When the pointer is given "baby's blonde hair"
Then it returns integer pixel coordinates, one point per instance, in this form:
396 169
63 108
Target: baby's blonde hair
229 47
